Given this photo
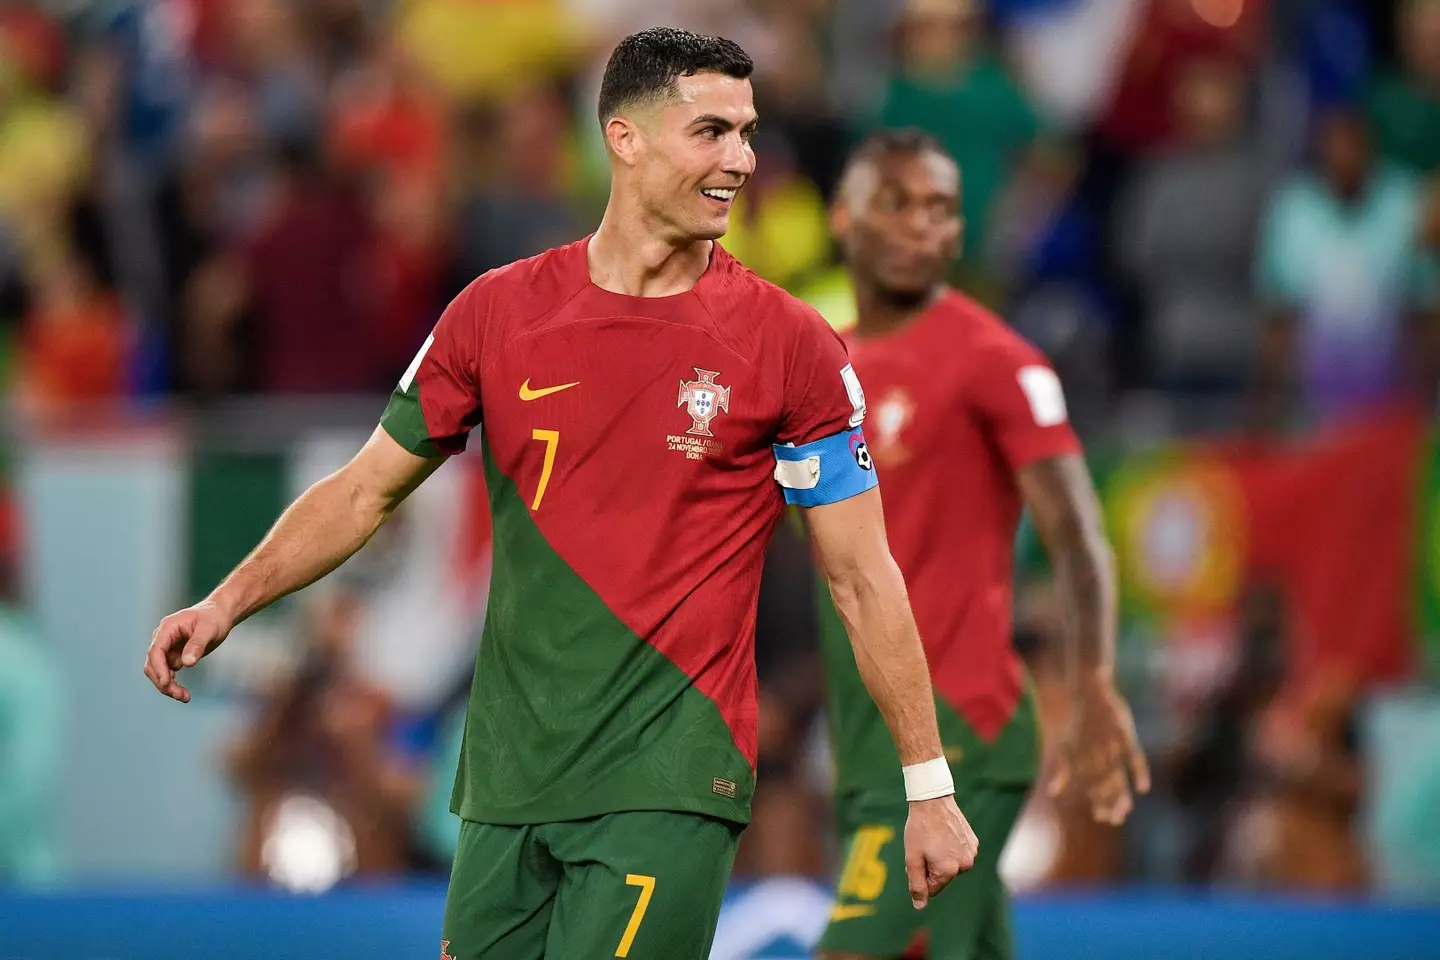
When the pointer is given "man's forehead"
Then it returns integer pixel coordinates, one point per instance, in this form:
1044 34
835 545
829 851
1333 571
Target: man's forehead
714 94
926 169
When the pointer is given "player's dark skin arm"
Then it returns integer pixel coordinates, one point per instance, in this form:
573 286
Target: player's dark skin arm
870 596
320 530
1100 752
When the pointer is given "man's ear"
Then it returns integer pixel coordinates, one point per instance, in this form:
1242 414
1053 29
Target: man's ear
624 139
840 218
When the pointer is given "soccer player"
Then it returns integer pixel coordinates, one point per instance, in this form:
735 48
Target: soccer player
968 425
648 408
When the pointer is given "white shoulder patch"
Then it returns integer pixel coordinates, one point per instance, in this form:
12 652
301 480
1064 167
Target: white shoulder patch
414 367
1045 395
856 394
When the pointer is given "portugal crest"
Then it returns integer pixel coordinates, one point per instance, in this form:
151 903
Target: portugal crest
703 399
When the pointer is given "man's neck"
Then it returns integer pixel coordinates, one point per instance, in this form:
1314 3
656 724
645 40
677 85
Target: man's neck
629 255
877 314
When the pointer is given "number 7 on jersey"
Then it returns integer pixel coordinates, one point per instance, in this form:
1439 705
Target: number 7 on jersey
552 440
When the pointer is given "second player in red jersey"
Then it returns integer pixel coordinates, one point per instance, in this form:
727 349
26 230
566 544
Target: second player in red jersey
967 428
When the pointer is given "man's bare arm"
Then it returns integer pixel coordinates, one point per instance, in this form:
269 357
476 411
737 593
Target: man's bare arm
1061 499
325 526
870 596
322 529
1100 749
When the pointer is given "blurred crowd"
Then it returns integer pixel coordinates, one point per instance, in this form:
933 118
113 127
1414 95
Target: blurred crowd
1211 214
1184 200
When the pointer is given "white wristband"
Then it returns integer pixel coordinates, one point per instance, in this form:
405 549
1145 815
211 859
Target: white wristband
928 780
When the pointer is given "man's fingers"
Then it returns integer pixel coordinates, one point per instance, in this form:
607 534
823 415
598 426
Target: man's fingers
916 873
165 658
198 644
1060 779
1139 767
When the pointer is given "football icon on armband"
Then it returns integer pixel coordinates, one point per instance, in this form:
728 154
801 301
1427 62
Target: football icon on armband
861 452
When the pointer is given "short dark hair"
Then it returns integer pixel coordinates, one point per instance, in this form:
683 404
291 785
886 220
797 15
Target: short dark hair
909 140
645 65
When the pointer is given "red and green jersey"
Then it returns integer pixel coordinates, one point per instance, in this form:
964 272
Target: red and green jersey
958 404
630 446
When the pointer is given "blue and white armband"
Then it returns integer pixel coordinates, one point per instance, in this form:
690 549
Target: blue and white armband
828 470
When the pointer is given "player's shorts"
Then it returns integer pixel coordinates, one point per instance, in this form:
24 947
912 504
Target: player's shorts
646 885
968 920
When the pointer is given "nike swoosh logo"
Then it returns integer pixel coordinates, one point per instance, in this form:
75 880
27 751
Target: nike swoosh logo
527 394
850 911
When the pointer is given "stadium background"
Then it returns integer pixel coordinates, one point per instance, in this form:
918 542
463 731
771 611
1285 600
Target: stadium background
225 226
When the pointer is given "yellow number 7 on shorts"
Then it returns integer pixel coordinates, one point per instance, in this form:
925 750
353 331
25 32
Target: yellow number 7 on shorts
647 887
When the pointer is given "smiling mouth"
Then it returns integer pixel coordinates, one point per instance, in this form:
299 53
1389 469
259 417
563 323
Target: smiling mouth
720 194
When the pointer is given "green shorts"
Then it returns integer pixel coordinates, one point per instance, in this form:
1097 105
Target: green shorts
646 885
969 920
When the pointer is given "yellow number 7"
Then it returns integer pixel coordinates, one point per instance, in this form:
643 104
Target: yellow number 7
552 440
647 887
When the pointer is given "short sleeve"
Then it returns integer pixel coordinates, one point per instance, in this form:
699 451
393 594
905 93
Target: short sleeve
437 402
822 394
1019 398
821 456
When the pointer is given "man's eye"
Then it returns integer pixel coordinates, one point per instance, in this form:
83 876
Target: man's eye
710 133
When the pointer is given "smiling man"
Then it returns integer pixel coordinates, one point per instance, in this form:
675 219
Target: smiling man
649 407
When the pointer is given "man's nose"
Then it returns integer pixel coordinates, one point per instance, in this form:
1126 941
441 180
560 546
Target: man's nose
739 157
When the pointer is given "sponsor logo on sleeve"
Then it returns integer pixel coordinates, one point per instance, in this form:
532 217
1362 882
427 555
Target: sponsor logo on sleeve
855 393
1044 394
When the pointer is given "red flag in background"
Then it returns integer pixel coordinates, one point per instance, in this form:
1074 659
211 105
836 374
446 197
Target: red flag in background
1331 526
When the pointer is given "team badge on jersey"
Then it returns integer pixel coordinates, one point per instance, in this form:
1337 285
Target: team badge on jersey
892 415
703 399
445 950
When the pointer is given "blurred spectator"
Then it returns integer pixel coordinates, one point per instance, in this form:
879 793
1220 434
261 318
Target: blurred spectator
492 49
1069 53
43 159
950 83
268 55
779 227
310 286
387 122
1045 252
1190 262
1207 770
1340 271
1405 105
211 202
1170 35
513 168
31 715
34 42
153 42
1296 830
327 795
75 344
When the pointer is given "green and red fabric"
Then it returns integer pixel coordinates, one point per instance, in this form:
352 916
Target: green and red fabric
958 404
628 445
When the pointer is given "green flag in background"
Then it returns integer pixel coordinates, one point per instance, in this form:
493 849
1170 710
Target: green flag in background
1427 557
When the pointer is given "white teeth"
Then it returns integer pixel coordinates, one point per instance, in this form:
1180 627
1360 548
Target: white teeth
720 194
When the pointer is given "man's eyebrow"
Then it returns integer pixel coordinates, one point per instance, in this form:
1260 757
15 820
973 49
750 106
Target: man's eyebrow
722 122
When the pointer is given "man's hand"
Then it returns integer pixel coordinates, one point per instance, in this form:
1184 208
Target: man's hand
180 641
939 846
1100 754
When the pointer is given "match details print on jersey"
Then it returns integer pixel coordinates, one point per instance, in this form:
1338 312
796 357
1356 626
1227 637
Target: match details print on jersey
636 452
